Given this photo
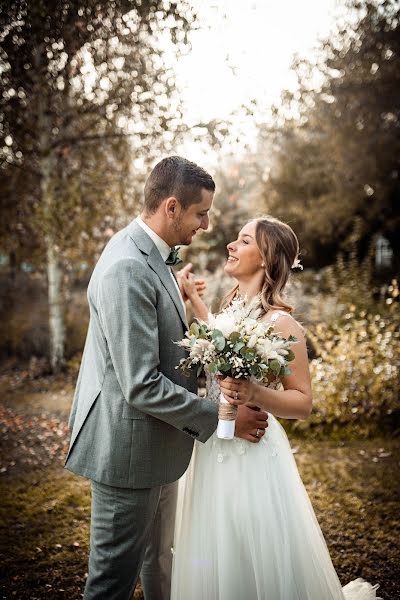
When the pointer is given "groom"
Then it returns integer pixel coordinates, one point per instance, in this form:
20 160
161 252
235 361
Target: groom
135 416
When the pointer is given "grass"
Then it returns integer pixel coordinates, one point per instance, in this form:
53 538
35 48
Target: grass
44 531
45 510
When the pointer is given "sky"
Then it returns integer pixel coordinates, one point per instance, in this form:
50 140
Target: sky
243 50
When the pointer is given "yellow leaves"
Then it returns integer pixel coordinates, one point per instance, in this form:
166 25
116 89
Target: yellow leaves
357 370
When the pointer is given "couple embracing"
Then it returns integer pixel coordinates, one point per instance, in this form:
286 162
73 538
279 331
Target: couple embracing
243 527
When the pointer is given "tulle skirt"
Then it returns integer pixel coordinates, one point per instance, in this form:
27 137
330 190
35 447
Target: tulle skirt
246 530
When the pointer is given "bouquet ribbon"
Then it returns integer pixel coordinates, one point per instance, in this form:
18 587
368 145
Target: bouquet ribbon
226 419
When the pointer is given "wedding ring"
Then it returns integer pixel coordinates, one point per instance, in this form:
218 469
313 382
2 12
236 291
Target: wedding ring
236 395
257 432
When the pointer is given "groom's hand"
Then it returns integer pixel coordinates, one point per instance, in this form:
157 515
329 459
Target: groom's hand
251 423
183 274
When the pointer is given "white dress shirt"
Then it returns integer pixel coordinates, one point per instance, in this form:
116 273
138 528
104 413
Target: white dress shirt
163 249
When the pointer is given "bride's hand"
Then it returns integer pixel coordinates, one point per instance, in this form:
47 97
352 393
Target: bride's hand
191 289
238 391
190 285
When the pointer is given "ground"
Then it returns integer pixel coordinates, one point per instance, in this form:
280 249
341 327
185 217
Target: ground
45 510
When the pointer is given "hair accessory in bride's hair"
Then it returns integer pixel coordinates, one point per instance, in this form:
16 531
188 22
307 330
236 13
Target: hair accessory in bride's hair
297 264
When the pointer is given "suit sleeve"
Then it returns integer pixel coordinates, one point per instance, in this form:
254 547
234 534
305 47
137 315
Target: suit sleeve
127 310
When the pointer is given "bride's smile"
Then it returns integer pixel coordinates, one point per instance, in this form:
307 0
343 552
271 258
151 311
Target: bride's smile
244 258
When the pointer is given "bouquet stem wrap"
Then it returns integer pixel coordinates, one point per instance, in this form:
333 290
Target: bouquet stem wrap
226 423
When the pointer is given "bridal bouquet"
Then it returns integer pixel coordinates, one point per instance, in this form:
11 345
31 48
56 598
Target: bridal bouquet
236 344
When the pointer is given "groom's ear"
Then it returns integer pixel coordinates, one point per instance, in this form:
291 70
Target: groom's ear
171 207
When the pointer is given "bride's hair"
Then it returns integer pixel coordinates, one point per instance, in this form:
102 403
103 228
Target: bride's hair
279 249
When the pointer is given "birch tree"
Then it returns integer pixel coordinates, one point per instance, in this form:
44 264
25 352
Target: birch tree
79 78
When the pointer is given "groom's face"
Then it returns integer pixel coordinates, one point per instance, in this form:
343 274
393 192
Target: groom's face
189 221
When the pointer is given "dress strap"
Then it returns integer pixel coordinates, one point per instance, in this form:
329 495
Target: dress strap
277 314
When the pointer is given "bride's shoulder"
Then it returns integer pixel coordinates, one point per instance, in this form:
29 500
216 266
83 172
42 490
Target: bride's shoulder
284 323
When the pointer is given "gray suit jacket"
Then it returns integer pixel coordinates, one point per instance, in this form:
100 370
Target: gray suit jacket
134 415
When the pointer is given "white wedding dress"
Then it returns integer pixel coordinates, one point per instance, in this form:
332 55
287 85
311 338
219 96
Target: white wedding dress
245 527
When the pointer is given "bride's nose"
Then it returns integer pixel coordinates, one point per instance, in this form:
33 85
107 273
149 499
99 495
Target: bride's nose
231 247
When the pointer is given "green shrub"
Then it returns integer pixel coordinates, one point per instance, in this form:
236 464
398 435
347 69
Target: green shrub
356 372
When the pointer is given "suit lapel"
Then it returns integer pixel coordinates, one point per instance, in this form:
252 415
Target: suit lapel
156 263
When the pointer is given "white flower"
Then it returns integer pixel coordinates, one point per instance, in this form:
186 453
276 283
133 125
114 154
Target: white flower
249 326
297 264
271 347
264 348
211 321
275 356
252 341
261 329
202 346
185 343
225 323
256 313
237 362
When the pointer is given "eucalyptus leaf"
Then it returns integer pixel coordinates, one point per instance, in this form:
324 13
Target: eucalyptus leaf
219 340
224 367
275 365
234 337
238 346
219 344
194 329
254 369
290 355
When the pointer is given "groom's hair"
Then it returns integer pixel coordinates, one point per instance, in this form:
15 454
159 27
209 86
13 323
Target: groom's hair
176 176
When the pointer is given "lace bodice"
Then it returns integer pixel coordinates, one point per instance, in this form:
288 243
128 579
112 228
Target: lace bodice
212 388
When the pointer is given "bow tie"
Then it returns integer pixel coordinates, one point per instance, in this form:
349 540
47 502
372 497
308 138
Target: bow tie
173 258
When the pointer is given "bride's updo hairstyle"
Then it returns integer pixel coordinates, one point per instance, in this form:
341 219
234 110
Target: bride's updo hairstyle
279 248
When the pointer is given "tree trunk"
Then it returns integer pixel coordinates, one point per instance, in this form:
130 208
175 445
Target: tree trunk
54 274
56 316
48 205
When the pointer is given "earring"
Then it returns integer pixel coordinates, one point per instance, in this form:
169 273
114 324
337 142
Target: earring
262 264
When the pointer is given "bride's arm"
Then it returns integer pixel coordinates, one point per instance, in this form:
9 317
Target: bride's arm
295 400
200 310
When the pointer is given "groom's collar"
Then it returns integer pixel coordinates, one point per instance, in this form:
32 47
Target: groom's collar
142 239
161 244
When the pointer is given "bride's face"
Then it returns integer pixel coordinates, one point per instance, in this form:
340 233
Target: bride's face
244 258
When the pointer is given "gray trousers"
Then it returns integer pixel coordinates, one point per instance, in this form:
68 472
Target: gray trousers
131 532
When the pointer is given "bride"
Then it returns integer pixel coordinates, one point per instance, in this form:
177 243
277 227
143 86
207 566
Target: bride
245 527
